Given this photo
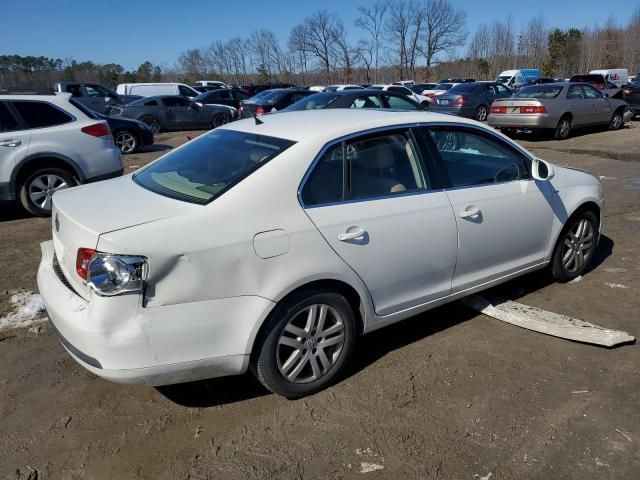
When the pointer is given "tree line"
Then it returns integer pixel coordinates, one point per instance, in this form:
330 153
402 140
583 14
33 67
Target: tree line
422 40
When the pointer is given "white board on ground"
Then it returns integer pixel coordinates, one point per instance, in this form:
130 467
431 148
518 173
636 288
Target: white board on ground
542 321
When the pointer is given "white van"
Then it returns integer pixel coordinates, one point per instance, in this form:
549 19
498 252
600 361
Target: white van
151 89
520 76
619 76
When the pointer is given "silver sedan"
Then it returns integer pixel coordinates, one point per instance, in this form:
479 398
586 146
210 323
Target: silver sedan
560 107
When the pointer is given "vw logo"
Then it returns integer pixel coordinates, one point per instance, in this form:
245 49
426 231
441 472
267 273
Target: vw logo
57 223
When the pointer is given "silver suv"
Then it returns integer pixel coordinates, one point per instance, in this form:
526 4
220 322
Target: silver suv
47 144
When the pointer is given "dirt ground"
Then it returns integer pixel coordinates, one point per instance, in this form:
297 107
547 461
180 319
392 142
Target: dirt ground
448 394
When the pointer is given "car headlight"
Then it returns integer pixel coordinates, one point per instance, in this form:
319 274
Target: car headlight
115 274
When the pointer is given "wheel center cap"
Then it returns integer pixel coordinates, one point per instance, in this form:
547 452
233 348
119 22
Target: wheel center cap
310 342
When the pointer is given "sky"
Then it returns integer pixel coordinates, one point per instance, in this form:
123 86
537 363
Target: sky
134 31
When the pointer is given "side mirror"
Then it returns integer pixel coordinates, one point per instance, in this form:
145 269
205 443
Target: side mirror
541 170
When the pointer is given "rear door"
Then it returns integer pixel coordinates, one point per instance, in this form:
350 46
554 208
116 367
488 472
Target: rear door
14 144
504 217
375 204
581 110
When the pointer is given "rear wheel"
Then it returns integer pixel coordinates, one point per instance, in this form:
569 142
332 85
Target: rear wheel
39 186
617 121
576 246
306 343
126 141
563 130
152 122
480 113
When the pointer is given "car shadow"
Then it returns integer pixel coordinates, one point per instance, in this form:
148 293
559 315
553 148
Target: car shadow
374 346
10 212
156 147
544 136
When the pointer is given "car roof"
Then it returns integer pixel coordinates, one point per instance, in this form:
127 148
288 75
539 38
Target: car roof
328 124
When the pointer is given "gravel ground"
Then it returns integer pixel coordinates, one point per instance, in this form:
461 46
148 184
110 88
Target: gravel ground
448 394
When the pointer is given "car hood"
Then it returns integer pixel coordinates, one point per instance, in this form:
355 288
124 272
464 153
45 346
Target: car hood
81 214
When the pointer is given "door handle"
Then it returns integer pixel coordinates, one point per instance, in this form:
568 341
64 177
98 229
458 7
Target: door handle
357 232
12 142
470 212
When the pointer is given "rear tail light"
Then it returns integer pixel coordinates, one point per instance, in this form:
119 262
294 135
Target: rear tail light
82 261
495 109
628 91
97 130
533 109
460 101
259 111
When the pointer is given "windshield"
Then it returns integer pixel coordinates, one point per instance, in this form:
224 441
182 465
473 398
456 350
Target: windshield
504 79
205 168
443 86
540 91
258 96
88 112
463 88
314 102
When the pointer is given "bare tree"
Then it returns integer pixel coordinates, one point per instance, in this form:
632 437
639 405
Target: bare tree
371 19
397 27
444 29
533 40
321 38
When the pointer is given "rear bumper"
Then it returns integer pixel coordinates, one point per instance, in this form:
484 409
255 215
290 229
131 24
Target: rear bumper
120 340
522 121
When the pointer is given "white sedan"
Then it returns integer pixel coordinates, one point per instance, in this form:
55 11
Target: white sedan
271 245
423 100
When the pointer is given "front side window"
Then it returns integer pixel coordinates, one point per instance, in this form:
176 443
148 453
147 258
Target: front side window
207 167
399 103
176 102
371 167
40 114
368 101
471 158
591 93
8 123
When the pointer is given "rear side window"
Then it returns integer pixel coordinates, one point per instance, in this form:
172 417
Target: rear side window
207 167
187 92
471 158
41 114
398 103
8 123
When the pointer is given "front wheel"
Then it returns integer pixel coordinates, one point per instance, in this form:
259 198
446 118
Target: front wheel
563 129
617 121
306 343
480 113
219 119
39 186
576 246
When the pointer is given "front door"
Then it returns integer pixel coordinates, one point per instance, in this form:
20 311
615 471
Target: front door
14 143
581 109
504 217
373 202
601 112
180 114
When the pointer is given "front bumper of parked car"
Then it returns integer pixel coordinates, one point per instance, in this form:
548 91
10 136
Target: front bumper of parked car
117 338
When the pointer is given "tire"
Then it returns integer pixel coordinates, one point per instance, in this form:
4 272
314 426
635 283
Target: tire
617 121
579 235
289 358
219 119
126 141
152 122
38 187
563 130
480 114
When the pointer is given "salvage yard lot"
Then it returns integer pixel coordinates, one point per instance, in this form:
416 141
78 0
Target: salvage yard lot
448 394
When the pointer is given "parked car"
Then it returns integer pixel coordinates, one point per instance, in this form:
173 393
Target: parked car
335 88
538 81
129 135
421 99
284 241
94 96
617 76
439 89
232 97
171 112
201 89
47 145
405 83
471 100
559 107
154 89
316 88
457 80
518 76
419 88
598 81
212 83
255 89
632 97
272 100
363 98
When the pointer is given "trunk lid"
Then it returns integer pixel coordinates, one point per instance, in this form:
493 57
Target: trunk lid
81 214
512 105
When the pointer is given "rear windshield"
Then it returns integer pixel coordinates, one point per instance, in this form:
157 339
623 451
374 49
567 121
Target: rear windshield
463 88
207 167
443 86
540 91
314 102
87 111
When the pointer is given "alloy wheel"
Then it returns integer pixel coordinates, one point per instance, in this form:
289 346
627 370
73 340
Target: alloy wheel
153 124
616 122
578 246
310 343
481 113
42 188
126 142
565 125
